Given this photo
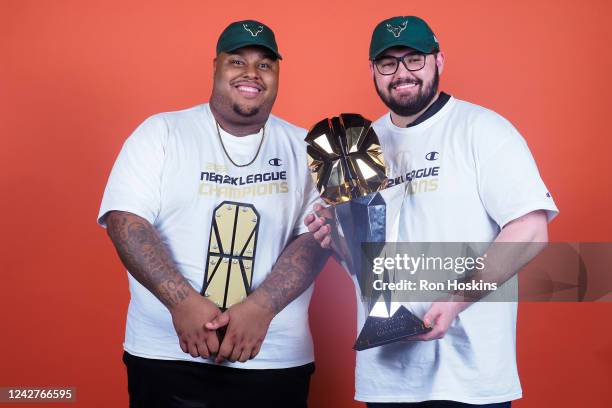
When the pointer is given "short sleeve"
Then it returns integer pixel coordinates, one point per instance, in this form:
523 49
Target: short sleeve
311 196
509 182
134 184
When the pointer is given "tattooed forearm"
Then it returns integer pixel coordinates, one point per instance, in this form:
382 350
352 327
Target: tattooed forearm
294 271
146 258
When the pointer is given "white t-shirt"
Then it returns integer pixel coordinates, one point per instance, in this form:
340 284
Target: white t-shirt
470 173
173 172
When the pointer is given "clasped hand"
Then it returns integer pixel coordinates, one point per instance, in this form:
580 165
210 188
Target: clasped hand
199 322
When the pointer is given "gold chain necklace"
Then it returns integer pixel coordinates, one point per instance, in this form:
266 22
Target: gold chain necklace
227 154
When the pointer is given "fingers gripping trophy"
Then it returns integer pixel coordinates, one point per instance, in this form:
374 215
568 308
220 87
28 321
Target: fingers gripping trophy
347 164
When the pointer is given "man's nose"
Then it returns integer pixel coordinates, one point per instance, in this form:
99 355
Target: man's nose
251 71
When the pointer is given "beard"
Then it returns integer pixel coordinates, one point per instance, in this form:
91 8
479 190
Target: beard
244 111
240 113
411 105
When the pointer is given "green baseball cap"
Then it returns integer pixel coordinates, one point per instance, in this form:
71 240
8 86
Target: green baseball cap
407 31
244 33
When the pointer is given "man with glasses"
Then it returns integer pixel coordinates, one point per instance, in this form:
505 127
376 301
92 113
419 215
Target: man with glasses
471 178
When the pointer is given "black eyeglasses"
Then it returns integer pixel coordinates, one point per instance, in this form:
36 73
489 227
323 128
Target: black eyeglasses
388 64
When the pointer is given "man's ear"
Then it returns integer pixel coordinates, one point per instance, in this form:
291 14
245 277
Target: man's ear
440 58
372 68
214 62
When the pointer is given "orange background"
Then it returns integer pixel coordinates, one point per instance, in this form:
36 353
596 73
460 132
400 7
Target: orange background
77 77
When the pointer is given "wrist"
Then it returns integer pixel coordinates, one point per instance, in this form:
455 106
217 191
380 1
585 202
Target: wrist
191 296
458 303
259 300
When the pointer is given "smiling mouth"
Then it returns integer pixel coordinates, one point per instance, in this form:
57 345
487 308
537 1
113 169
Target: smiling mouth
405 86
248 89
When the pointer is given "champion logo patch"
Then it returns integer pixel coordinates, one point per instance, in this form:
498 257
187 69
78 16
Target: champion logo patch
254 32
431 156
275 162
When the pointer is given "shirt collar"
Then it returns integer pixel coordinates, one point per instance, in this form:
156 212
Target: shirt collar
434 108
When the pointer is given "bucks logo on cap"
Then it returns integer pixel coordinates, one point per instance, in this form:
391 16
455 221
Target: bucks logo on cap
247 33
396 31
258 30
406 31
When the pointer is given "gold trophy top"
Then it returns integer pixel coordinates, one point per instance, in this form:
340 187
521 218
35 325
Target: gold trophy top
345 158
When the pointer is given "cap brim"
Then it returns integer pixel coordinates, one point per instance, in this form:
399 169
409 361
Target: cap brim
234 47
401 43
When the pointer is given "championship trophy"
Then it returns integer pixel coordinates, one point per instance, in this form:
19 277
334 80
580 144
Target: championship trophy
348 167
231 253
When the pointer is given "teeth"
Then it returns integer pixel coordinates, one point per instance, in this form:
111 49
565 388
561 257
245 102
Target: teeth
248 89
403 86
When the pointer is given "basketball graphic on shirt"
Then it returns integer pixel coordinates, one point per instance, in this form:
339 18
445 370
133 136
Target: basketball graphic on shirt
231 253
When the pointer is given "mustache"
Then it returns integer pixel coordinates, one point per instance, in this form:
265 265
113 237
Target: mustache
405 81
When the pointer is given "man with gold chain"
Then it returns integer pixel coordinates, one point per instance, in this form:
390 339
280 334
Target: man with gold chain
205 209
